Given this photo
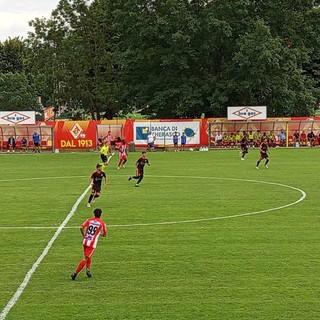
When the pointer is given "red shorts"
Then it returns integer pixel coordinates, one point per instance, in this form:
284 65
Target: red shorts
88 251
123 157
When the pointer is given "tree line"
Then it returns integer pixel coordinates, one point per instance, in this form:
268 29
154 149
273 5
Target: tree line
166 58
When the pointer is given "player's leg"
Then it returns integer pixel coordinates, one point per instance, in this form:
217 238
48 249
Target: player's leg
88 259
258 162
92 195
134 177
139 180
96 195
81 265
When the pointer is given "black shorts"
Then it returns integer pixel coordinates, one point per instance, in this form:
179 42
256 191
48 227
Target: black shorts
37 144
96 188
103 157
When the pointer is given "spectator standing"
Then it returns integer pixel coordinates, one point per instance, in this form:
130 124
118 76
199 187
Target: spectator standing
184 140
150 141
11 144
36 142
175 140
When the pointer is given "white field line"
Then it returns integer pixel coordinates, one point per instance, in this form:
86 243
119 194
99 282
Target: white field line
29 274
302 197
41 178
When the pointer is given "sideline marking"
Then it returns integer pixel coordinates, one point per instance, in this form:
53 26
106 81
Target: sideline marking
303 195
40 178
29 274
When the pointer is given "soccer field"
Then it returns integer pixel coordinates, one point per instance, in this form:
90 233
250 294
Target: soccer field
206 236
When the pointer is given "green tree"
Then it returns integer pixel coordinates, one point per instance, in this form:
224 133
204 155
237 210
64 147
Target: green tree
74 57
178 58
12 53
16 94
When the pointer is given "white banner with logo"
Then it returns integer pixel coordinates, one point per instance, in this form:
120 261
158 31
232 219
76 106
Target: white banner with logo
18 117
247 113
163 131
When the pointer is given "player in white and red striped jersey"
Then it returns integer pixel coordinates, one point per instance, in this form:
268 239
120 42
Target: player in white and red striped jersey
91 229
123 154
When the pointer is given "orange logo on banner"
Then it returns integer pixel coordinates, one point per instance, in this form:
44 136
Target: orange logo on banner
76 130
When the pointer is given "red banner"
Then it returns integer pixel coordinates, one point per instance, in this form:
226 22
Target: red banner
75 134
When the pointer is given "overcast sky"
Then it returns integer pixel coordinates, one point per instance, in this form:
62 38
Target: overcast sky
15 15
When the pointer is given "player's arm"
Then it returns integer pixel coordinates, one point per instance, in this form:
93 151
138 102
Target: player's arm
104 231
83 228
83 231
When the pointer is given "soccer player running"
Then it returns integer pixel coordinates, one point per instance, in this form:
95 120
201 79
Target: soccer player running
104 152
96 181
123 155
91 229
244 146
140 163
263 153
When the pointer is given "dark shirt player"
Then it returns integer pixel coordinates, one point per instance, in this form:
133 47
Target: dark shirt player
263 153
140 163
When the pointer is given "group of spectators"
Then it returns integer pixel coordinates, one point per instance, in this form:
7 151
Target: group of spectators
233 140
176 137
304 139
23 143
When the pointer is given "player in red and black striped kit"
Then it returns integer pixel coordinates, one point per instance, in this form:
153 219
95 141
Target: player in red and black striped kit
263 153
140 163
96 181
244 147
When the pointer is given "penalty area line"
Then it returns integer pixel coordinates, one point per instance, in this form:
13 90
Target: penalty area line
29 274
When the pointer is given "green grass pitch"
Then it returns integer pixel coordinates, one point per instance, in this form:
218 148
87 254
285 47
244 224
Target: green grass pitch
206 236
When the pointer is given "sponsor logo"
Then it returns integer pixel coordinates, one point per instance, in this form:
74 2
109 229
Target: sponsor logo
189 132
142 133
15 117
76 131
247 113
